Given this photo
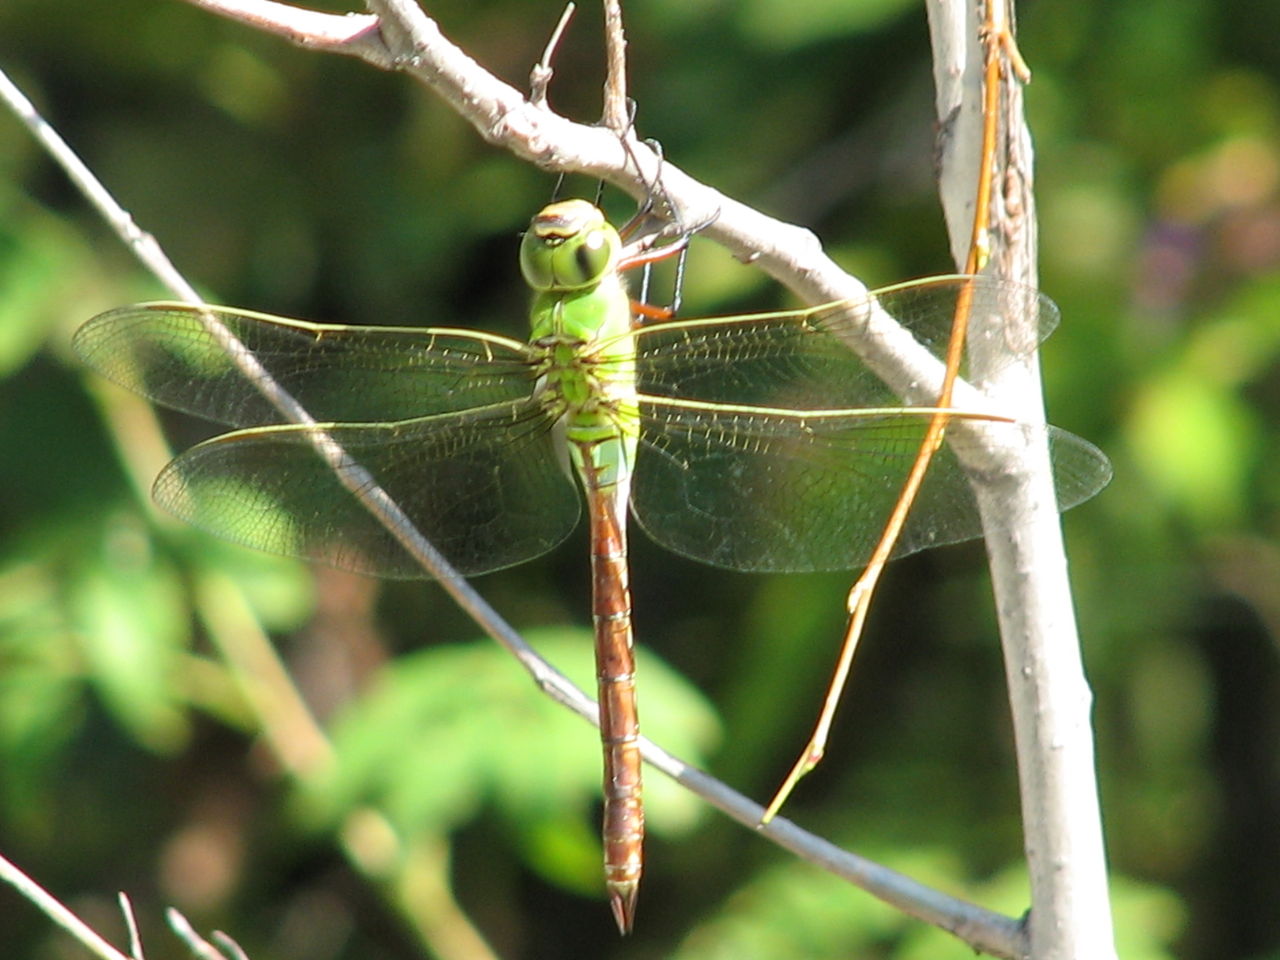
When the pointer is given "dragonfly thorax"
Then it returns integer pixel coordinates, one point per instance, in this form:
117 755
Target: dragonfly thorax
587 348
588 353
579 381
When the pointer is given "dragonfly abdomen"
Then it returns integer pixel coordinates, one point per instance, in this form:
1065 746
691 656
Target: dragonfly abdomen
623 821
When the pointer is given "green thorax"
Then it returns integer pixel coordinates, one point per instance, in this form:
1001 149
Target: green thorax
581 317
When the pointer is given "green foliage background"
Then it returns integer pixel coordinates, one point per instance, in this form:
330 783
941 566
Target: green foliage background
314 186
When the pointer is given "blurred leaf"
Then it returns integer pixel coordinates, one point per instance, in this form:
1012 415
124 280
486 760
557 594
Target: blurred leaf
129 614
1192 427
791 910
1148 920
449 729
41 701
243 84
794 910
42 264
281 590
1197 443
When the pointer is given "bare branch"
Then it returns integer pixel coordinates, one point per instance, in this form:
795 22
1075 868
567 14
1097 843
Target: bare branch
792 255
141 243
232 949
55 911
355 34
200 948
984 930
615 115
131 924
541 74
1049 696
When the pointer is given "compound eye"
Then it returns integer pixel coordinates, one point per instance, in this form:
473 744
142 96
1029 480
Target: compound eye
569 246
592 258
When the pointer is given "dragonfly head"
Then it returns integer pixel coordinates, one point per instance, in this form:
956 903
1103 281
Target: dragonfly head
569 246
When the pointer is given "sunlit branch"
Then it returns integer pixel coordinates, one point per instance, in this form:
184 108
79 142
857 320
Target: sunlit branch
614 115
1048 692
55 911
353 33
406 39
202 949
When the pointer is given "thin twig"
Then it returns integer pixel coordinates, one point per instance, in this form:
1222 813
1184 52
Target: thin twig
615 115
355 34
232 949
200 948
131 923
863 590
1048 692
541 74
141 243
56 912
406 39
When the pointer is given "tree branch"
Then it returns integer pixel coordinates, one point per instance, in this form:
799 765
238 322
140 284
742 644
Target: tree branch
1050 699
355 34
55 911
404 38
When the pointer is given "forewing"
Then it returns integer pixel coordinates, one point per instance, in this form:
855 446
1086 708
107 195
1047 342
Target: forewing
758 491
807 359
179 355
485 487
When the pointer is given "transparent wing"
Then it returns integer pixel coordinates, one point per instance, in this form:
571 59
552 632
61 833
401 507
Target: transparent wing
486 487
761 491
172 354
805 359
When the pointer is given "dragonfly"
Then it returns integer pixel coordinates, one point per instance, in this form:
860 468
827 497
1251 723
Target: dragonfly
755 442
